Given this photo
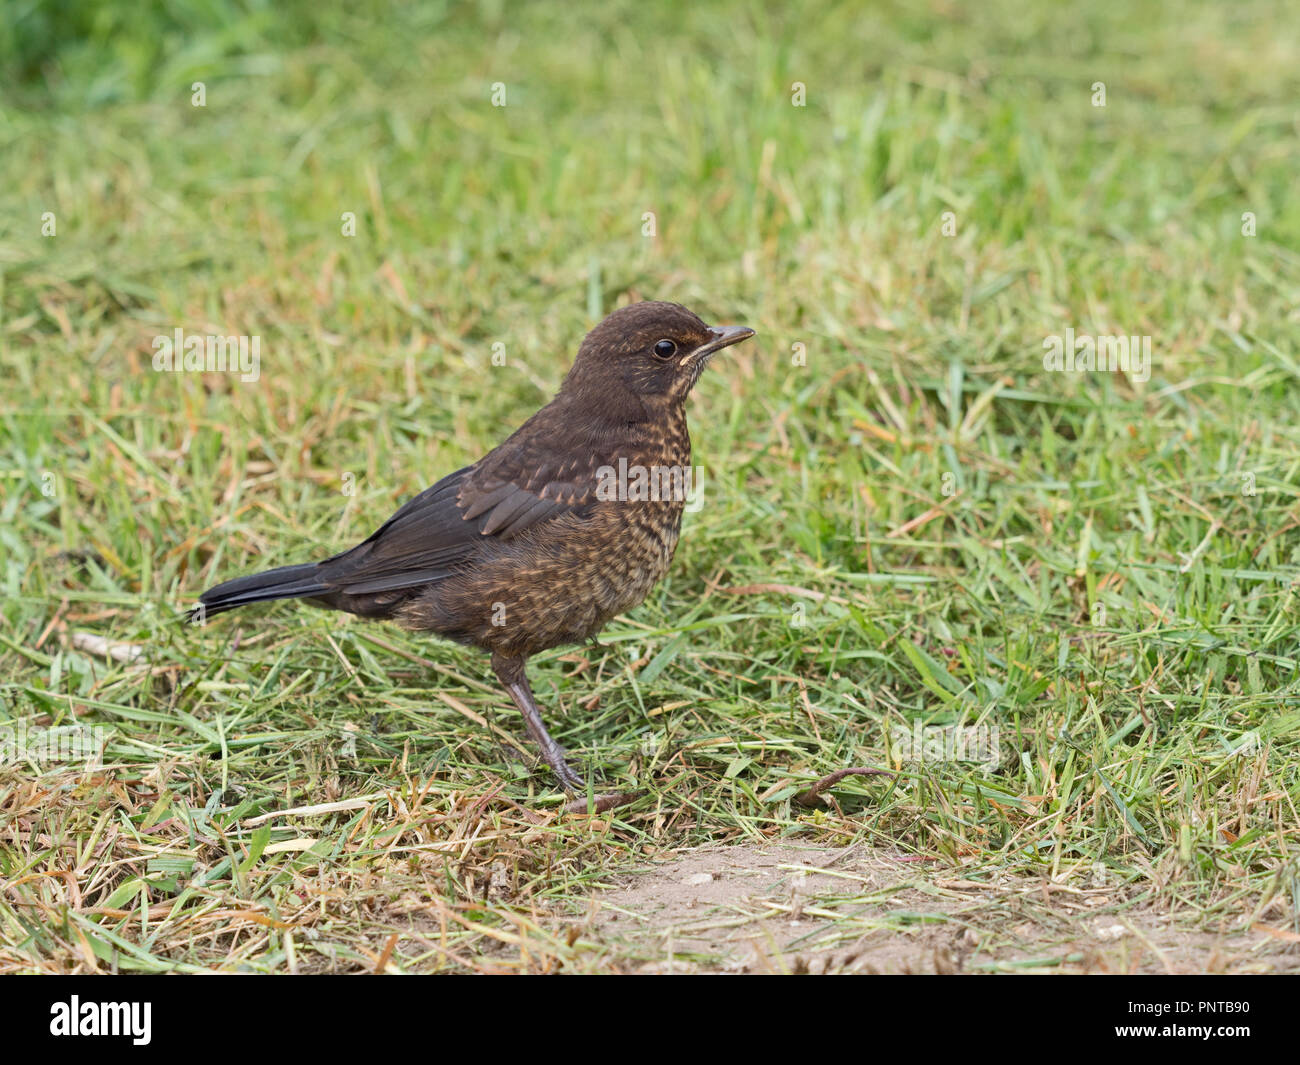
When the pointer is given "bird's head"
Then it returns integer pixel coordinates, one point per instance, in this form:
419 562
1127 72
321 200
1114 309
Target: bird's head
651 352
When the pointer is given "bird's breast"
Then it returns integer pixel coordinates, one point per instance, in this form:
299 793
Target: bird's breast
563 580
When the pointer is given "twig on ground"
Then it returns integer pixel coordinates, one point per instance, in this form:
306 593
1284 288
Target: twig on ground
810 797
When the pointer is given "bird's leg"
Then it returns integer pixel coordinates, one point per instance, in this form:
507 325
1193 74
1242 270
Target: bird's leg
510 671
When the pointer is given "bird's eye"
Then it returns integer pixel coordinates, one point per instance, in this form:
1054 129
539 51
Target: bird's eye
665 349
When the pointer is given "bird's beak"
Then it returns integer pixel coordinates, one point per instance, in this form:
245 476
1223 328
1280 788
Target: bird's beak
723 337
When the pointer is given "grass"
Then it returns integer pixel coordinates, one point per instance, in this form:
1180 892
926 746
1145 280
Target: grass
906 518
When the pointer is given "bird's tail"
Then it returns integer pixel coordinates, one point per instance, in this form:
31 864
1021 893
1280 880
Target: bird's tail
287 582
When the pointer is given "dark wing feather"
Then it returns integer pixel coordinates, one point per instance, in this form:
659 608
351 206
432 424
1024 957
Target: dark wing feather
424 541
529 480
526 482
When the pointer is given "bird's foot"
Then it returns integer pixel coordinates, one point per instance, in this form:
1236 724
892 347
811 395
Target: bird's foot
553 755
570 781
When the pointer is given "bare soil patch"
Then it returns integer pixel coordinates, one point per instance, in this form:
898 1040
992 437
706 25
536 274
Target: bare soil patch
808 909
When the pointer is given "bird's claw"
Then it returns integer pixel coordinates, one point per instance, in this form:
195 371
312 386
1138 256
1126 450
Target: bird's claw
570 781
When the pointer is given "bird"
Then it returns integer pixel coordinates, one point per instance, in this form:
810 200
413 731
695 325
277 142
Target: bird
567 524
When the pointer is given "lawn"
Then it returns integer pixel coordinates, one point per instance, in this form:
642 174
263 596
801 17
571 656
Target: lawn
913 529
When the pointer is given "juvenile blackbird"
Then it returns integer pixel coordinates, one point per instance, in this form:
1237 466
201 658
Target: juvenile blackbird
547 537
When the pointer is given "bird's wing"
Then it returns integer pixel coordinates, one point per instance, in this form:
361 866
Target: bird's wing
515 488
511 490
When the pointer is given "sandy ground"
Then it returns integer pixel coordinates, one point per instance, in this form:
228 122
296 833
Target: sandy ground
795 909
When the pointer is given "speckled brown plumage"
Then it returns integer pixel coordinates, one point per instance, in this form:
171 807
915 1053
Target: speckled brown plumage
526 549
